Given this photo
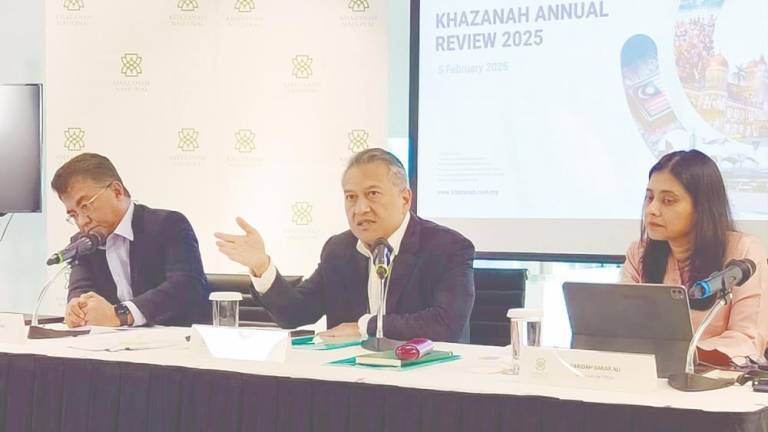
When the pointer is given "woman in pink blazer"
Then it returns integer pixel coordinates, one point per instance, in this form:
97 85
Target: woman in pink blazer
687 234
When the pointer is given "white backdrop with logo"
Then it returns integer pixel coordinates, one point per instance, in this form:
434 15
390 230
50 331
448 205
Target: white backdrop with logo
220 108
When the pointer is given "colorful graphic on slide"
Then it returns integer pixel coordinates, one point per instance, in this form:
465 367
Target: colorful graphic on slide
730 96
647 101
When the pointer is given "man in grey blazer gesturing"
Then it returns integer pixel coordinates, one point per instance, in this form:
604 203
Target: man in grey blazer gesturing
431 289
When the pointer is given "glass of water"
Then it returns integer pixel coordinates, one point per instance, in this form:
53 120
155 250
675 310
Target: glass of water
226 308
525 330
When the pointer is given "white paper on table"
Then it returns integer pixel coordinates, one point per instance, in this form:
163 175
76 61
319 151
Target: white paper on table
129 341
12 328
241 343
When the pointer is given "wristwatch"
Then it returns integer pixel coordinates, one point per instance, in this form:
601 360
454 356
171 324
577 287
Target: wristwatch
122 312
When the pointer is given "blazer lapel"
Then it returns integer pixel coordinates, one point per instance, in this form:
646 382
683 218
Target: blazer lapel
356 280
104 283
405 263
135 248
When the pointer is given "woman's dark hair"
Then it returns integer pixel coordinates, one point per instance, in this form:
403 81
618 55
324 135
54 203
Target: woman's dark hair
712 220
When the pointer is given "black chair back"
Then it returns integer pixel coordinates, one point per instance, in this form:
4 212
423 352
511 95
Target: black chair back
496 291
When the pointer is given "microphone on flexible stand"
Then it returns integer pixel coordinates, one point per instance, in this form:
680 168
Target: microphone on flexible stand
735 273
382 258
382 264
82 244
721 284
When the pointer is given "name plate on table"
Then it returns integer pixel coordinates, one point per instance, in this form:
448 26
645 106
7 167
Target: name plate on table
12 328
239 343
597 370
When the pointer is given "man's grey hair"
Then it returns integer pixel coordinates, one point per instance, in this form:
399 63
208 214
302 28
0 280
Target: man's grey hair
378 155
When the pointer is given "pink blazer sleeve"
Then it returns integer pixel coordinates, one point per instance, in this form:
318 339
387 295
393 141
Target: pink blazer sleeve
747 324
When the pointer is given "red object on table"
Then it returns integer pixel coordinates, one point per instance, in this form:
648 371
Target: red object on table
414 349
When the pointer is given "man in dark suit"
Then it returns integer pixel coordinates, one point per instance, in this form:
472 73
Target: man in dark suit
431 288
149 269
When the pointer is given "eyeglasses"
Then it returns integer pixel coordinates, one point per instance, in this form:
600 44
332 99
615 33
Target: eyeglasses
86 208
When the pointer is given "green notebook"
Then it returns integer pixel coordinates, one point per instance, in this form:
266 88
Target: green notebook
308 343
388 358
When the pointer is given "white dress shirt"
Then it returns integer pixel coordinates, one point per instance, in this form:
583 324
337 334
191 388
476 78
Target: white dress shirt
118 247
263 283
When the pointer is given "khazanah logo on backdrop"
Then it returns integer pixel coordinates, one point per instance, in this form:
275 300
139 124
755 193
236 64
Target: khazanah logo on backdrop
188 139
358 5
302 66
74 139
71 14
187 5
357 14
304 81
245 6
242 15
131 69
245 140
131 65
186 156
358 140
302 213
187 15
244 155
74 5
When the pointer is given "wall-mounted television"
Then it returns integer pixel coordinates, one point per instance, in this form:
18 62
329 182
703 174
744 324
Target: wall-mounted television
20 148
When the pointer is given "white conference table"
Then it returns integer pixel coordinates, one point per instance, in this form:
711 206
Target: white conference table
478 373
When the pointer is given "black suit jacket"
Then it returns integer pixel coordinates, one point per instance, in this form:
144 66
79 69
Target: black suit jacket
167 278
431 291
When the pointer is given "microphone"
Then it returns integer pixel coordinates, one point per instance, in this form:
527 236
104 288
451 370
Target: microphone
82 245
735 273
382 261
382 257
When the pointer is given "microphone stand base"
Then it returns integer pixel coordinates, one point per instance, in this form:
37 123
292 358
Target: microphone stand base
37 332
689 382
380 344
